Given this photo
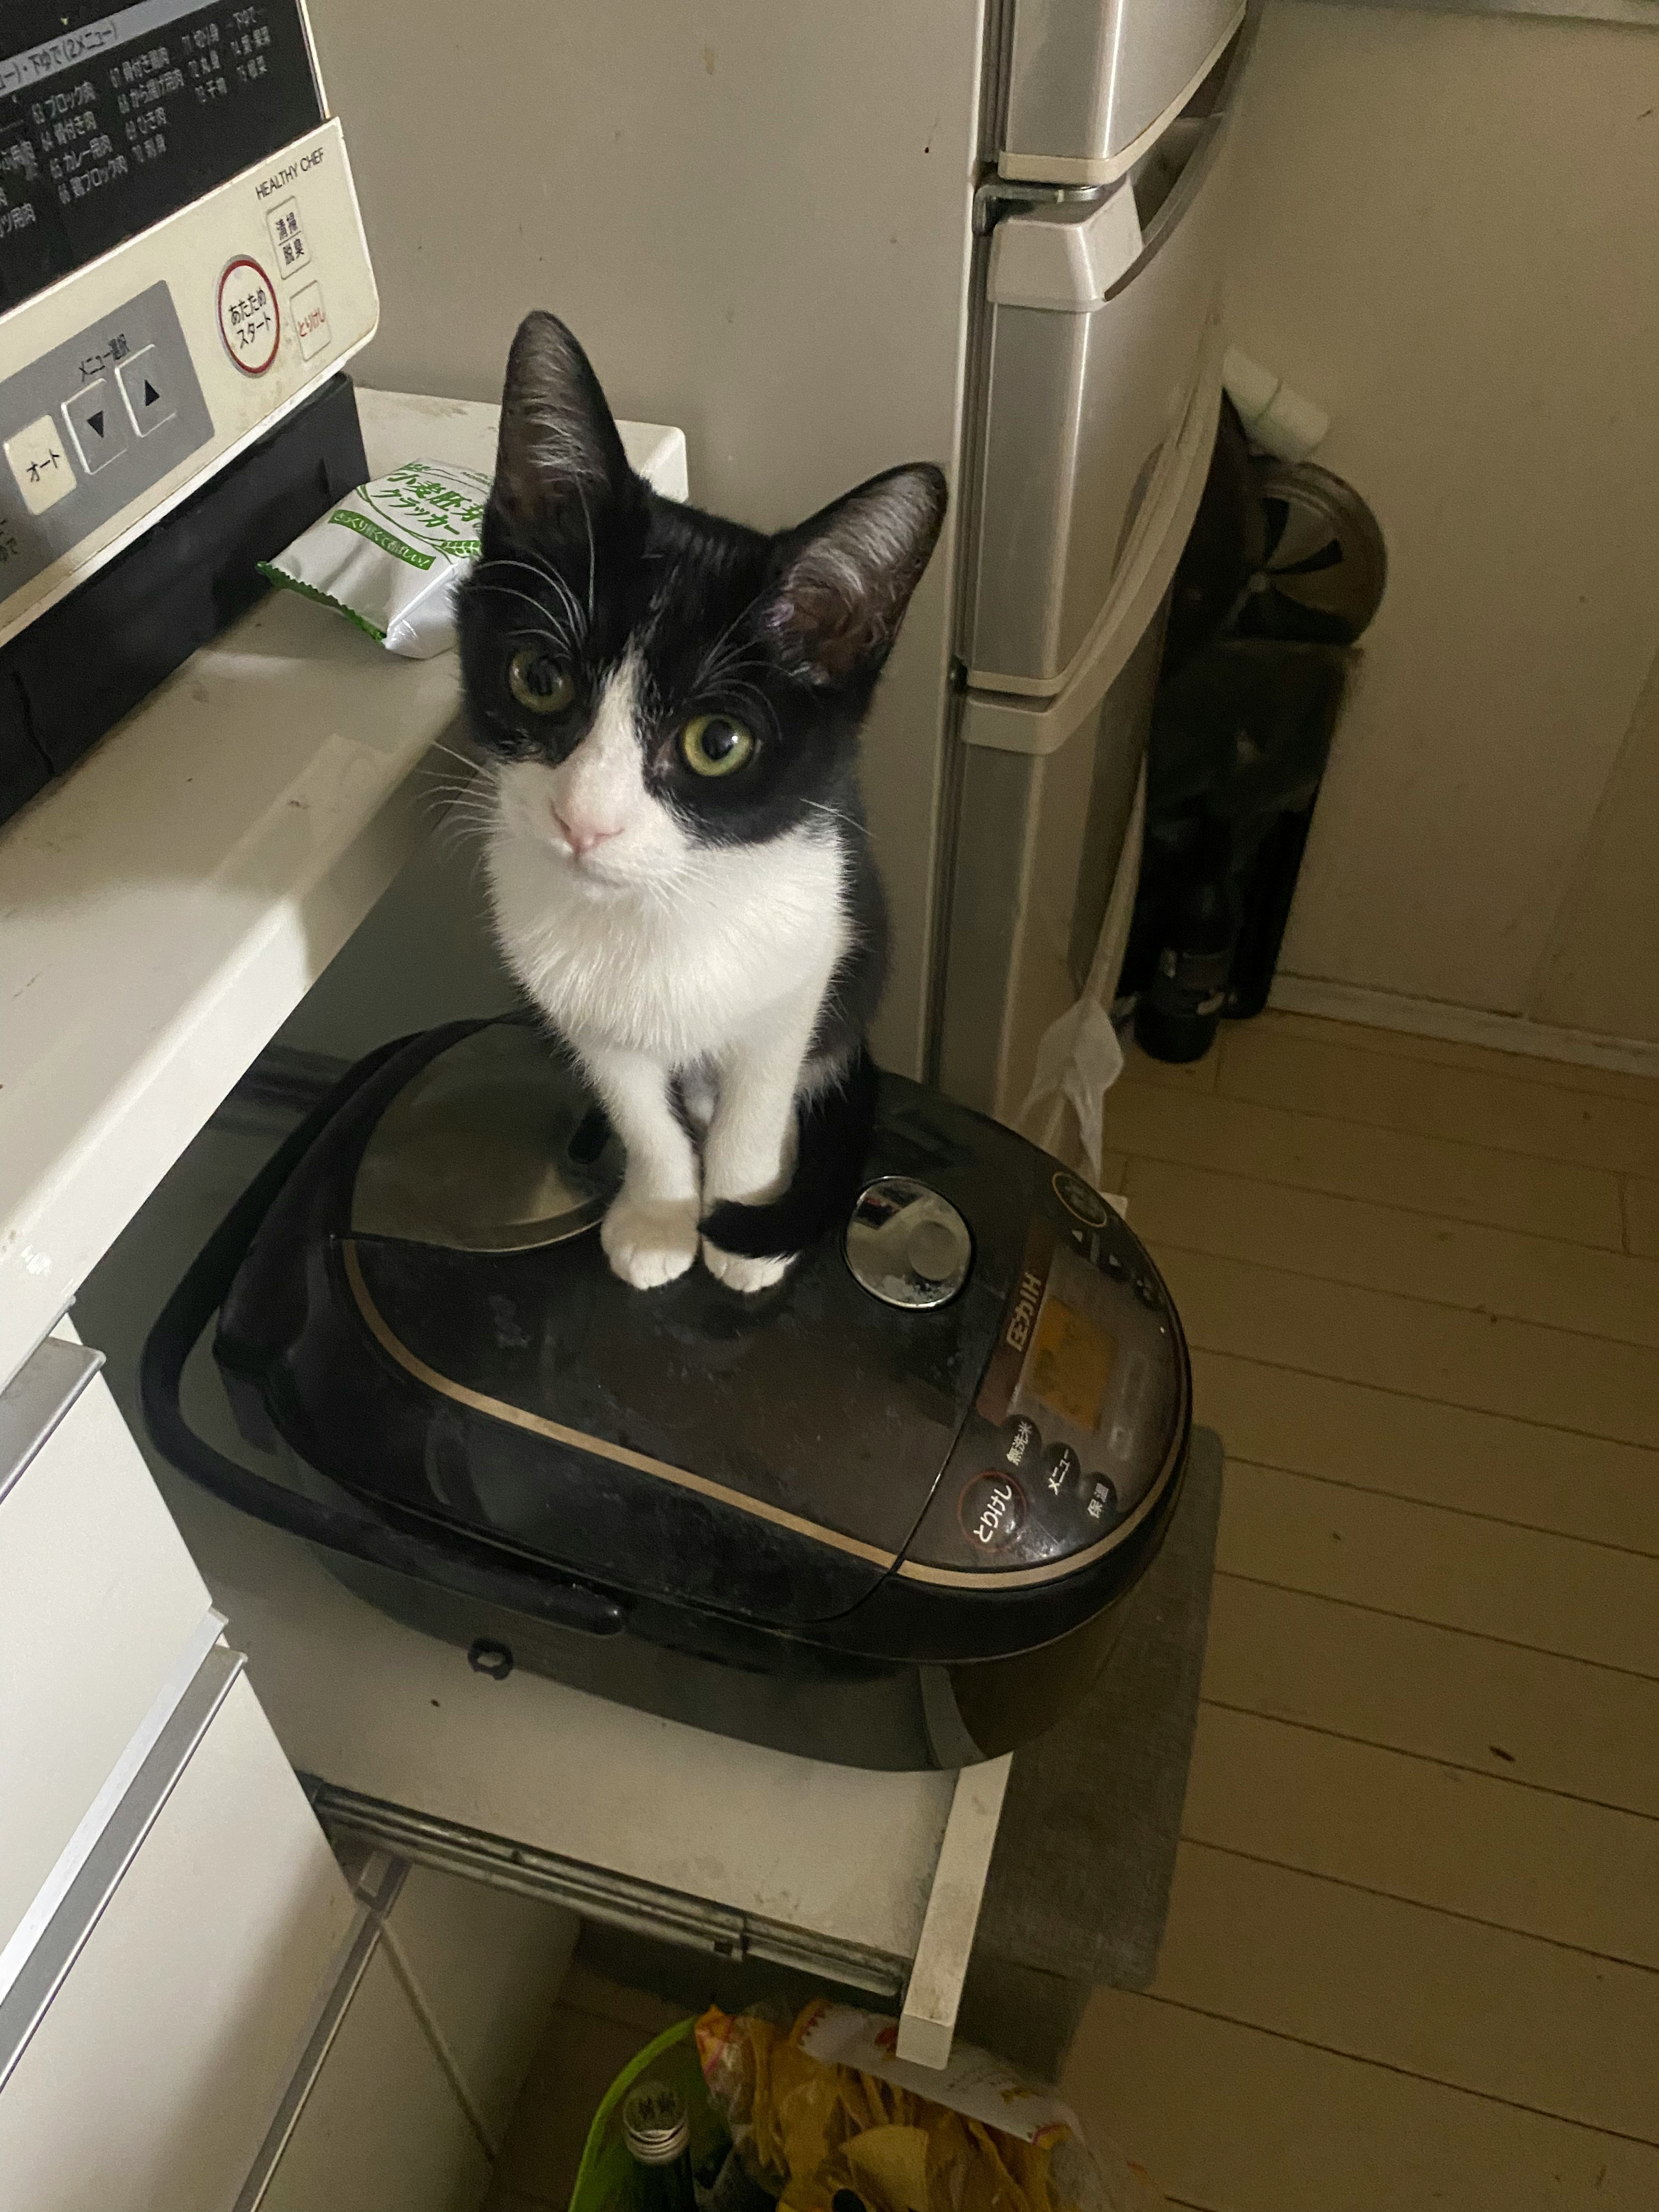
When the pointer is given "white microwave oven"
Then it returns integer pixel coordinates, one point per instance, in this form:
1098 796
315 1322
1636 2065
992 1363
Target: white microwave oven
183 274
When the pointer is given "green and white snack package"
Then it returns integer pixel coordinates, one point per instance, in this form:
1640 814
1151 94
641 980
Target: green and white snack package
390 555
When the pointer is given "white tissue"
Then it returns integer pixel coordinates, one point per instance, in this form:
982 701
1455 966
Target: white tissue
1078 1058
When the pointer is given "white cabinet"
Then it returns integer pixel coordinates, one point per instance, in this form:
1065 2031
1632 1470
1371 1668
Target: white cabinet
180 1955
401 2099
382 2130
158 2059
100 1604
484 1967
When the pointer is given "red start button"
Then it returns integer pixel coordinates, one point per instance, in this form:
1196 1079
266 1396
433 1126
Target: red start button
250 321
992 1511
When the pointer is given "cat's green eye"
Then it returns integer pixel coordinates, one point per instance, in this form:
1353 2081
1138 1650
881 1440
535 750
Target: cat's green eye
714 744
539 683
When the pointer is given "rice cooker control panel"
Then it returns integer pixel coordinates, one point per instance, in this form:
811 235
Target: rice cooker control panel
182 261
1079 1402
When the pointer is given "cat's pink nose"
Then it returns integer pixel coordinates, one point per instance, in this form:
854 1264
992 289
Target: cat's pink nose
581 836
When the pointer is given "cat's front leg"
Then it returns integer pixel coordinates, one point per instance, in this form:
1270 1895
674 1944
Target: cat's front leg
749 1152
650 1233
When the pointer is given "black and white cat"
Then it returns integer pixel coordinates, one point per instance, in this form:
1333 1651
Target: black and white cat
678 859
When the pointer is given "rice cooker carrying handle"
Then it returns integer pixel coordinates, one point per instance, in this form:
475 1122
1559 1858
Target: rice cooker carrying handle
173 1337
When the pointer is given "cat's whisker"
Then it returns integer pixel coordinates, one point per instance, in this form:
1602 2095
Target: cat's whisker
837 814
447 837
758 706
444 806
540 569
564 637
459 810
592 550
442 801
543 571
543 574
462 817
546 637
713 653
554 588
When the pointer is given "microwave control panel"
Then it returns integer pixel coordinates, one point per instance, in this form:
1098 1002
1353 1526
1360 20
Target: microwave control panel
182 261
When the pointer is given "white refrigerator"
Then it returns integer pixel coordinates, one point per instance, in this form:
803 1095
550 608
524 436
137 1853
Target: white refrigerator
826 239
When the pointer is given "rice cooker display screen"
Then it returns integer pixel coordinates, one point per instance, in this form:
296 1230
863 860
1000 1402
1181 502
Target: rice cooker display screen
1071 1364
112 118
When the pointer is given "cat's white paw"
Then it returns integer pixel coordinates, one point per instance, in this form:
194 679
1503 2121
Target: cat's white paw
739 1273
649 1242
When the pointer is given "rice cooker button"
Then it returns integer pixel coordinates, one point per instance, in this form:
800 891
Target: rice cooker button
991 1510
1062 1471
1101 1506
933 1250
906 1245
1076 1196
1022 1444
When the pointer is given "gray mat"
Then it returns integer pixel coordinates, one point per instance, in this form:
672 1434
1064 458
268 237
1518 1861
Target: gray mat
1080 1883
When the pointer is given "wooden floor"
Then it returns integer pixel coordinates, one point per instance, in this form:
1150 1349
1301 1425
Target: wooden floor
1412 1957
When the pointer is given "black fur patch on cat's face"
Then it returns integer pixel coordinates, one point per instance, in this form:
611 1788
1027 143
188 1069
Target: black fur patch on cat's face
582 564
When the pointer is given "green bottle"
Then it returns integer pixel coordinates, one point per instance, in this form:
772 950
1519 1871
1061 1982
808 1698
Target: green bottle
657 2131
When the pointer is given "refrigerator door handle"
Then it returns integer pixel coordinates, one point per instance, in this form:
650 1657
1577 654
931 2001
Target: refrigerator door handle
1191 148
1010 723
1083 71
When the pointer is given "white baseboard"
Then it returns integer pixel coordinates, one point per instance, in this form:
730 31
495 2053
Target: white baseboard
1433 1017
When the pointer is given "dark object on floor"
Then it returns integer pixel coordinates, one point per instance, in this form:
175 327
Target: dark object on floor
1320 577
1225 547
1239 742
73 673
886 1514
1285 569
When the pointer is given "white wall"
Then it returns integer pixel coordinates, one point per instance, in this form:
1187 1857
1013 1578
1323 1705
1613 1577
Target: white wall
1448 236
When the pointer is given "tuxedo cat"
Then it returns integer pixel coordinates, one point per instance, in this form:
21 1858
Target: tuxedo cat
677 860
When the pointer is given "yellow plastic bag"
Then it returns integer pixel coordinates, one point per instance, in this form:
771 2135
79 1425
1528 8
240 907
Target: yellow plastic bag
831 2107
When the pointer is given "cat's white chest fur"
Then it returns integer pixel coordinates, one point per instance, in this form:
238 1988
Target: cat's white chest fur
629 932
673 970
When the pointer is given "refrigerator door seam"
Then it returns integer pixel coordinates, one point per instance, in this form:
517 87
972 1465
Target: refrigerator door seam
1012 723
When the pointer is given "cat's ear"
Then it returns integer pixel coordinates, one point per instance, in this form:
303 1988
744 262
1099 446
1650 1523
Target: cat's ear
559 448
847 575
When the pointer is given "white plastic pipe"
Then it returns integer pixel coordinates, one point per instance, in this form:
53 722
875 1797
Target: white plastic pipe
1288 425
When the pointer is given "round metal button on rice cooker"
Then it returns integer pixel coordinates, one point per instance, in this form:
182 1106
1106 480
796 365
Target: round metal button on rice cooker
906 1245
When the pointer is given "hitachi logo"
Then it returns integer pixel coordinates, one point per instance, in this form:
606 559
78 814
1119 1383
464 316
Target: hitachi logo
1024 1313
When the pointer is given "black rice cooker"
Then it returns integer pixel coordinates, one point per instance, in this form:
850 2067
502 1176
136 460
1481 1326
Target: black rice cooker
887 1513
